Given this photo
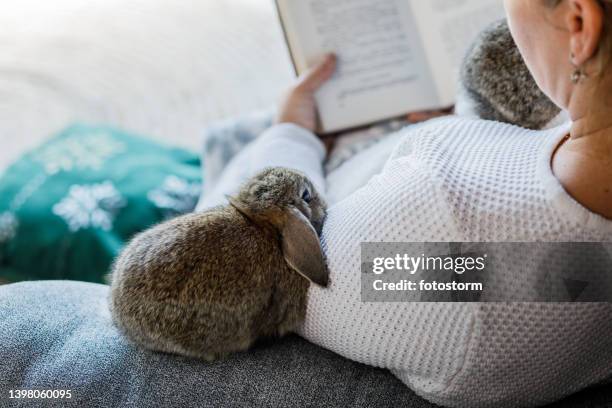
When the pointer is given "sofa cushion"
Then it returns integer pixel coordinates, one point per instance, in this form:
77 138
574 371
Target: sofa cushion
58 335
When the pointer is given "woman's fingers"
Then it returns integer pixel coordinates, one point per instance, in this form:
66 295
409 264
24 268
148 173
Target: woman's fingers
299 105
316 76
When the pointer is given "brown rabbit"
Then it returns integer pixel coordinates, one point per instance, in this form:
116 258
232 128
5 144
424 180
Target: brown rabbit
208 284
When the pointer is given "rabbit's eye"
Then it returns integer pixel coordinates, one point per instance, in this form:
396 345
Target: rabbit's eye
306 196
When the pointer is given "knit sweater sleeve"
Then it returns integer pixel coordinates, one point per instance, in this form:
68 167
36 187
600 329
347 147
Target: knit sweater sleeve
284 145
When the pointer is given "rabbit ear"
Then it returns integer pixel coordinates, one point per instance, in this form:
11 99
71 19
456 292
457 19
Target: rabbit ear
302 248
242 208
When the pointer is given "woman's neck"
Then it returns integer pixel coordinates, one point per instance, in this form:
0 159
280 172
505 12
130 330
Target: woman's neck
590 107
583 163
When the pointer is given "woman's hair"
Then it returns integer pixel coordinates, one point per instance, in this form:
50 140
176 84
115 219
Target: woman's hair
604 53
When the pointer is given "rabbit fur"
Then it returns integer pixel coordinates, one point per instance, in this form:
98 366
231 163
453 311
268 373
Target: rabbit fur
498 84
208 284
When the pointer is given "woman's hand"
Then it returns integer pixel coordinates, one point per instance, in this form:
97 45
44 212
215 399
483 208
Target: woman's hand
299 105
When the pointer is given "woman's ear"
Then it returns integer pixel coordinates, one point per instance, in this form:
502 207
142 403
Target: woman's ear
302 248
584 20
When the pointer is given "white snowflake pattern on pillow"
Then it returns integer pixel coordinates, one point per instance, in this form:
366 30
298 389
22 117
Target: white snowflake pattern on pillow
90 206
175 196
75 152
8 226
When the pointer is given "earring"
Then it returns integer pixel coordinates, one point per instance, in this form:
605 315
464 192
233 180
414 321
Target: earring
578 75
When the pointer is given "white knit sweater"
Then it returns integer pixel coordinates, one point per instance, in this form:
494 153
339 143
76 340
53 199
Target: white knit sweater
451 180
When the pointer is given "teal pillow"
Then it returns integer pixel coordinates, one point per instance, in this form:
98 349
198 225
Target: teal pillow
67 207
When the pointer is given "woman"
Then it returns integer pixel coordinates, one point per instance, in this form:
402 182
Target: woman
469 180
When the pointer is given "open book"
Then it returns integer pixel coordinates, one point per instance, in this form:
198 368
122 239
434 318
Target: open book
394 56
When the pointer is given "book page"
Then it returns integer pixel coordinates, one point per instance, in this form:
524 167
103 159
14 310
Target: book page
382 68
448 28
